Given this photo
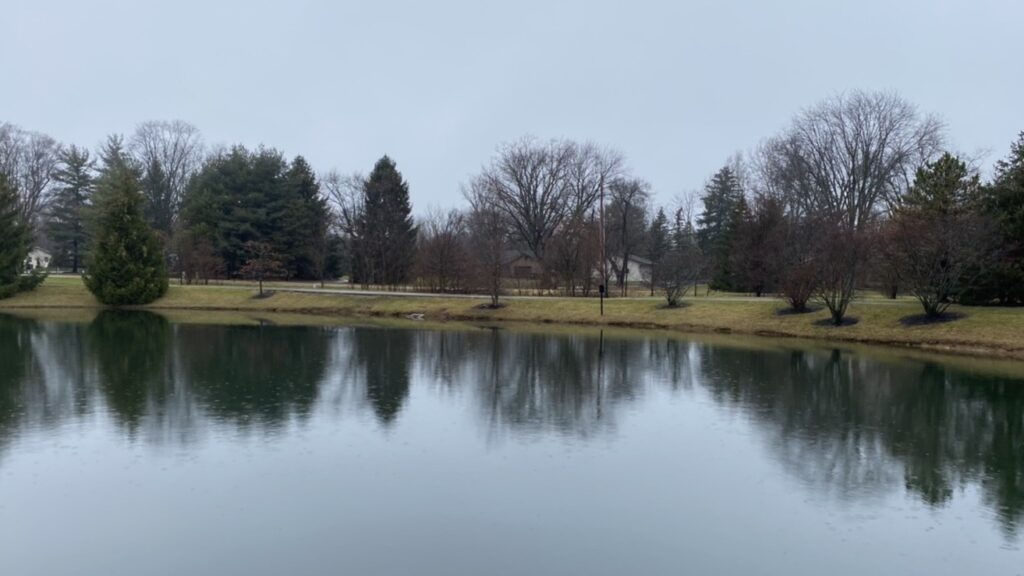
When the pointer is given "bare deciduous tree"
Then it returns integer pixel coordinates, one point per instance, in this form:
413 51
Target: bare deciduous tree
441 259
487 245
680 267
169 152
345 198
591 169
527 182
574 254
937 251
29 159
856 153
797 264
197 257
839 256
262 263
840 164
539 186
625 224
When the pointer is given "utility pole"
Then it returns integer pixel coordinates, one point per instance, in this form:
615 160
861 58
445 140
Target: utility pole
603 288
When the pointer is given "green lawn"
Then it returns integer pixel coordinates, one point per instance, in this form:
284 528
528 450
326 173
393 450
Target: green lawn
988 331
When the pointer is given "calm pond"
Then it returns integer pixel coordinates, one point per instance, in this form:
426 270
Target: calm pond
133 445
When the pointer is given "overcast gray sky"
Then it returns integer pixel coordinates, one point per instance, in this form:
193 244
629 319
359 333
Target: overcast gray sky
676 86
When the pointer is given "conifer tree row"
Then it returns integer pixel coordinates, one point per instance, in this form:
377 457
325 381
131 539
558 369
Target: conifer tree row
240 196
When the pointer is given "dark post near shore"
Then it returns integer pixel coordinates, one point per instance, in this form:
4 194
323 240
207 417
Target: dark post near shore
603 287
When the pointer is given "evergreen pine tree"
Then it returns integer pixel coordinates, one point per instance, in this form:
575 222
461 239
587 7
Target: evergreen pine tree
15 242
126 265
236 198
67 215
304 222
657 244
726 275
942 187
714 234
720 197
113 156
1003 280
937 238
388 233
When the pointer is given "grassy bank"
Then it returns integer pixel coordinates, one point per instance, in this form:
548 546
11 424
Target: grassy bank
981 331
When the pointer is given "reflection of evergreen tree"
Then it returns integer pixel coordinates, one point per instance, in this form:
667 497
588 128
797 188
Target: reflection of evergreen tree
847 424
999 430
254 374
130 349
384 357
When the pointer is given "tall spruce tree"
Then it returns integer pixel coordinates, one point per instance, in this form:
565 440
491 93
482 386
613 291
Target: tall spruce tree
388 235
126 265
66 225
15 241
658 244
304 222
725 273
114 156
1002 281
721 196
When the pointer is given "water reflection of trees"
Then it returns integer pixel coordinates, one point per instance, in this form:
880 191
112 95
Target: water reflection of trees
131 350
855 427
382 361
844 424
19 375
253 375
40 376
569 384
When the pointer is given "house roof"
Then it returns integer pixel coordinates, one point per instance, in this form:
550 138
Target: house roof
511 256
640 259
632 258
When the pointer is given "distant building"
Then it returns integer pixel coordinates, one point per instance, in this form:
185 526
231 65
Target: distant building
637 270
522 266
38 259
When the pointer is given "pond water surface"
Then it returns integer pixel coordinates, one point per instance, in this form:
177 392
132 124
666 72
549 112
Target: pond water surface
133 445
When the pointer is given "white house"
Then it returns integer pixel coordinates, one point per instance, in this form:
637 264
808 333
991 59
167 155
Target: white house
38 259
637 270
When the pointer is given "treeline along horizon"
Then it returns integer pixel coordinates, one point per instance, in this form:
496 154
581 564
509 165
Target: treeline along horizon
860 190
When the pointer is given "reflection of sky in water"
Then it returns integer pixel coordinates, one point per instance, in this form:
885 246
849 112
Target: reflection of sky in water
127 442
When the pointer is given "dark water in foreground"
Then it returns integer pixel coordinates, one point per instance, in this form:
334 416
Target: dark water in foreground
135 446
